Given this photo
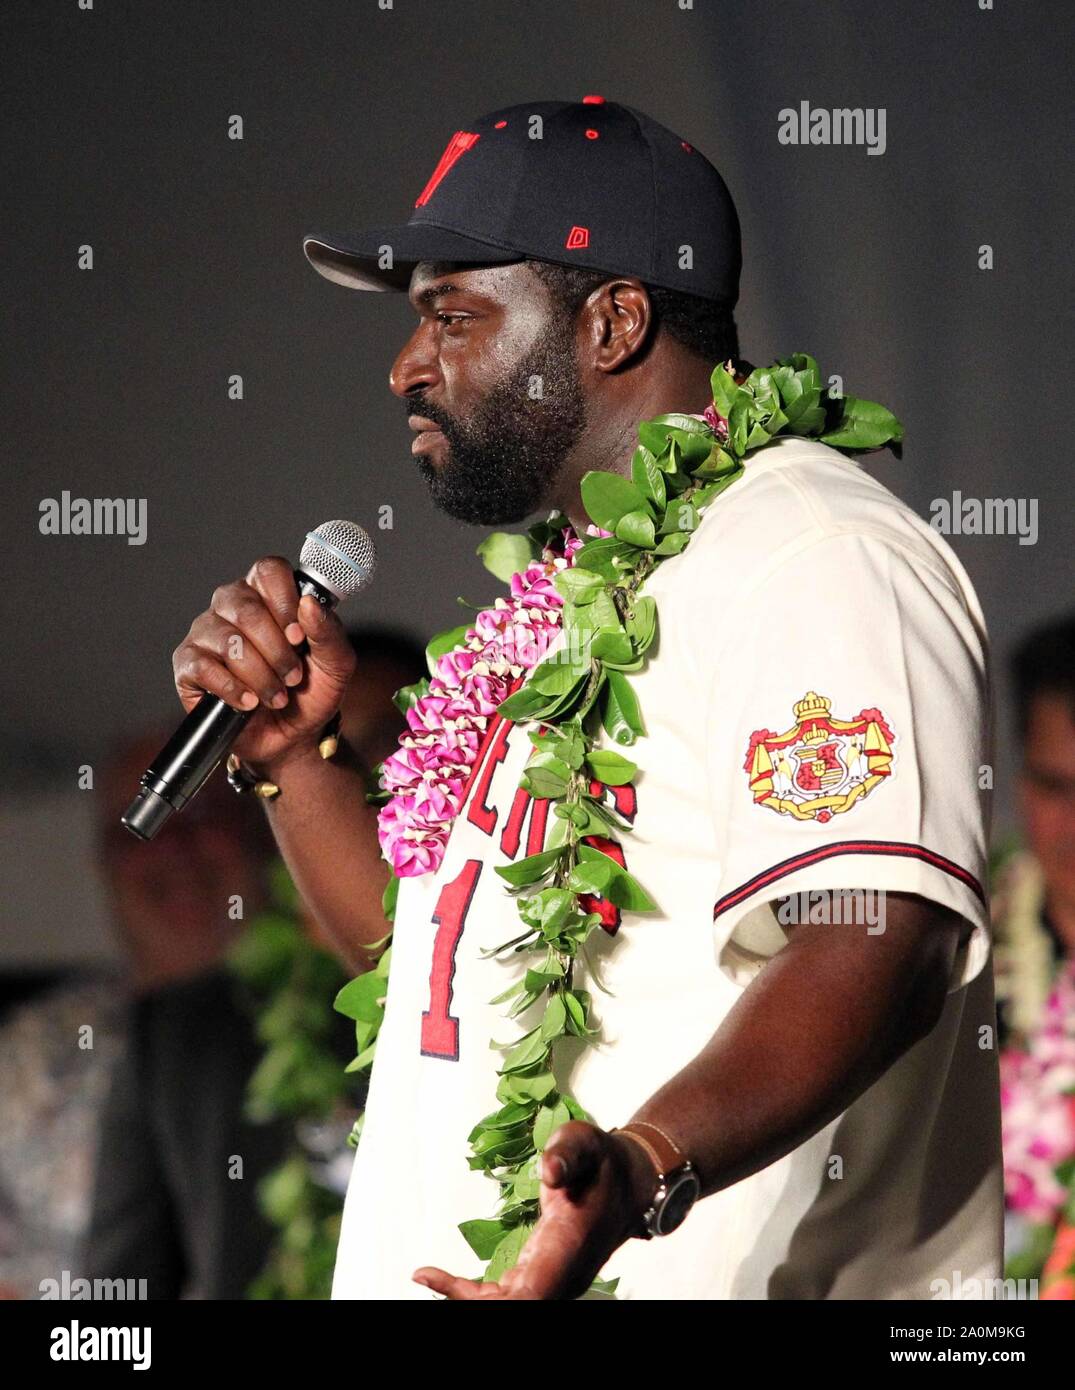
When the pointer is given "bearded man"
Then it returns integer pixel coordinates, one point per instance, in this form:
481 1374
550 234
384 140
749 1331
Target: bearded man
789 1105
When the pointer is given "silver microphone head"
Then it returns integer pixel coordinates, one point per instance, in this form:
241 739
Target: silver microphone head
340 556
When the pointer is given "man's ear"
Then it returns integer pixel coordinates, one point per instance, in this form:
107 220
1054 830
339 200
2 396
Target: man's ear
617 322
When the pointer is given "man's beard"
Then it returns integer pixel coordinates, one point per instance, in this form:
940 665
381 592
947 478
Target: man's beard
502 463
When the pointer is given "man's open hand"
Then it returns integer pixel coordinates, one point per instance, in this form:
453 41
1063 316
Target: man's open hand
594 1188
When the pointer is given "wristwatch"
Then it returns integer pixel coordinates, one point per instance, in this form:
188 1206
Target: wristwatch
678 1185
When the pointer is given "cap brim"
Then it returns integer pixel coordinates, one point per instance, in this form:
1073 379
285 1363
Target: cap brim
356 259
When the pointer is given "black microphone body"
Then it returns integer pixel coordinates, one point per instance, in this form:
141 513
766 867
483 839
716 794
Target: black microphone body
187 760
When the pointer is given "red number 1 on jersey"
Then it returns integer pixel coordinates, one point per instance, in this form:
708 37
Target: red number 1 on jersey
440 1031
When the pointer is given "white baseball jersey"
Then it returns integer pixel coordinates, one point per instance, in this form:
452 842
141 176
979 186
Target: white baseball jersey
816 709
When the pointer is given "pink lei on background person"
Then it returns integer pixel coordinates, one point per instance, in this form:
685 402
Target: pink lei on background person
1037 1094
429 773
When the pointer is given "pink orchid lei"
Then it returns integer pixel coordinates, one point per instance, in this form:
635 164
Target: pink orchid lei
1037 1091
428 775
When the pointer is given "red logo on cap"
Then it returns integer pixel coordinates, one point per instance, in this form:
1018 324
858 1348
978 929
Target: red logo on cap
577 238
457 146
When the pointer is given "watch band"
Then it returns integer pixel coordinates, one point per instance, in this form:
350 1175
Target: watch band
677 1184
665 1154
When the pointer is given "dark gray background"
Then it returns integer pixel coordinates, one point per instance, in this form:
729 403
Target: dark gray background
116 125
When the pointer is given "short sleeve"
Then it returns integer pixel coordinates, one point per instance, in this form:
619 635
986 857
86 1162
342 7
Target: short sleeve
847 741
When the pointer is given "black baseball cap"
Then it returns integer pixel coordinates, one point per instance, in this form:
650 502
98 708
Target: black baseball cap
587 183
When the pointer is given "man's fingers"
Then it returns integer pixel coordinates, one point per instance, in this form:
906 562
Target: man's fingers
274 579
317 622
452 1285
198 673
246 610
214 635
572 1157
329 646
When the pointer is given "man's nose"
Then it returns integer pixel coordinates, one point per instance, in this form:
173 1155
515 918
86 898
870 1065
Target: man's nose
415 369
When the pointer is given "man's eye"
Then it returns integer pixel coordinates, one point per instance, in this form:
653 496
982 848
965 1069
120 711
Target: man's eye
452 318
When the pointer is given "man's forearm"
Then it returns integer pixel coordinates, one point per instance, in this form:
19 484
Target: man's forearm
327 833
819 1024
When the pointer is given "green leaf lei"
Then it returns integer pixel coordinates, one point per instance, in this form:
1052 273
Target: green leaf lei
284 979
680 465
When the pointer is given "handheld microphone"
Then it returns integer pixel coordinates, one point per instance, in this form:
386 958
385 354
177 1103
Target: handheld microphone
337 560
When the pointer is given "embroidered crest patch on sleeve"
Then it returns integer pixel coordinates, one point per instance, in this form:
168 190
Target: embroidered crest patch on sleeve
821 766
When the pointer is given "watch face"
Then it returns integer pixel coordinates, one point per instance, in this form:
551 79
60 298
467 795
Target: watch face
682 1194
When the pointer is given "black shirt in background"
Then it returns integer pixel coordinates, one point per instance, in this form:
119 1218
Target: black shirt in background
166 1208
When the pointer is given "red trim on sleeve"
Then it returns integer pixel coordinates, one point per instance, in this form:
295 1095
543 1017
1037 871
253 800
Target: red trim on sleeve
816 856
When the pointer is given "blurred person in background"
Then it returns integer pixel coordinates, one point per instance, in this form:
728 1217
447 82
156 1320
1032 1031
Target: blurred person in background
173 1195
1034 947
60 1034
181 1156
103 1108
1034 898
